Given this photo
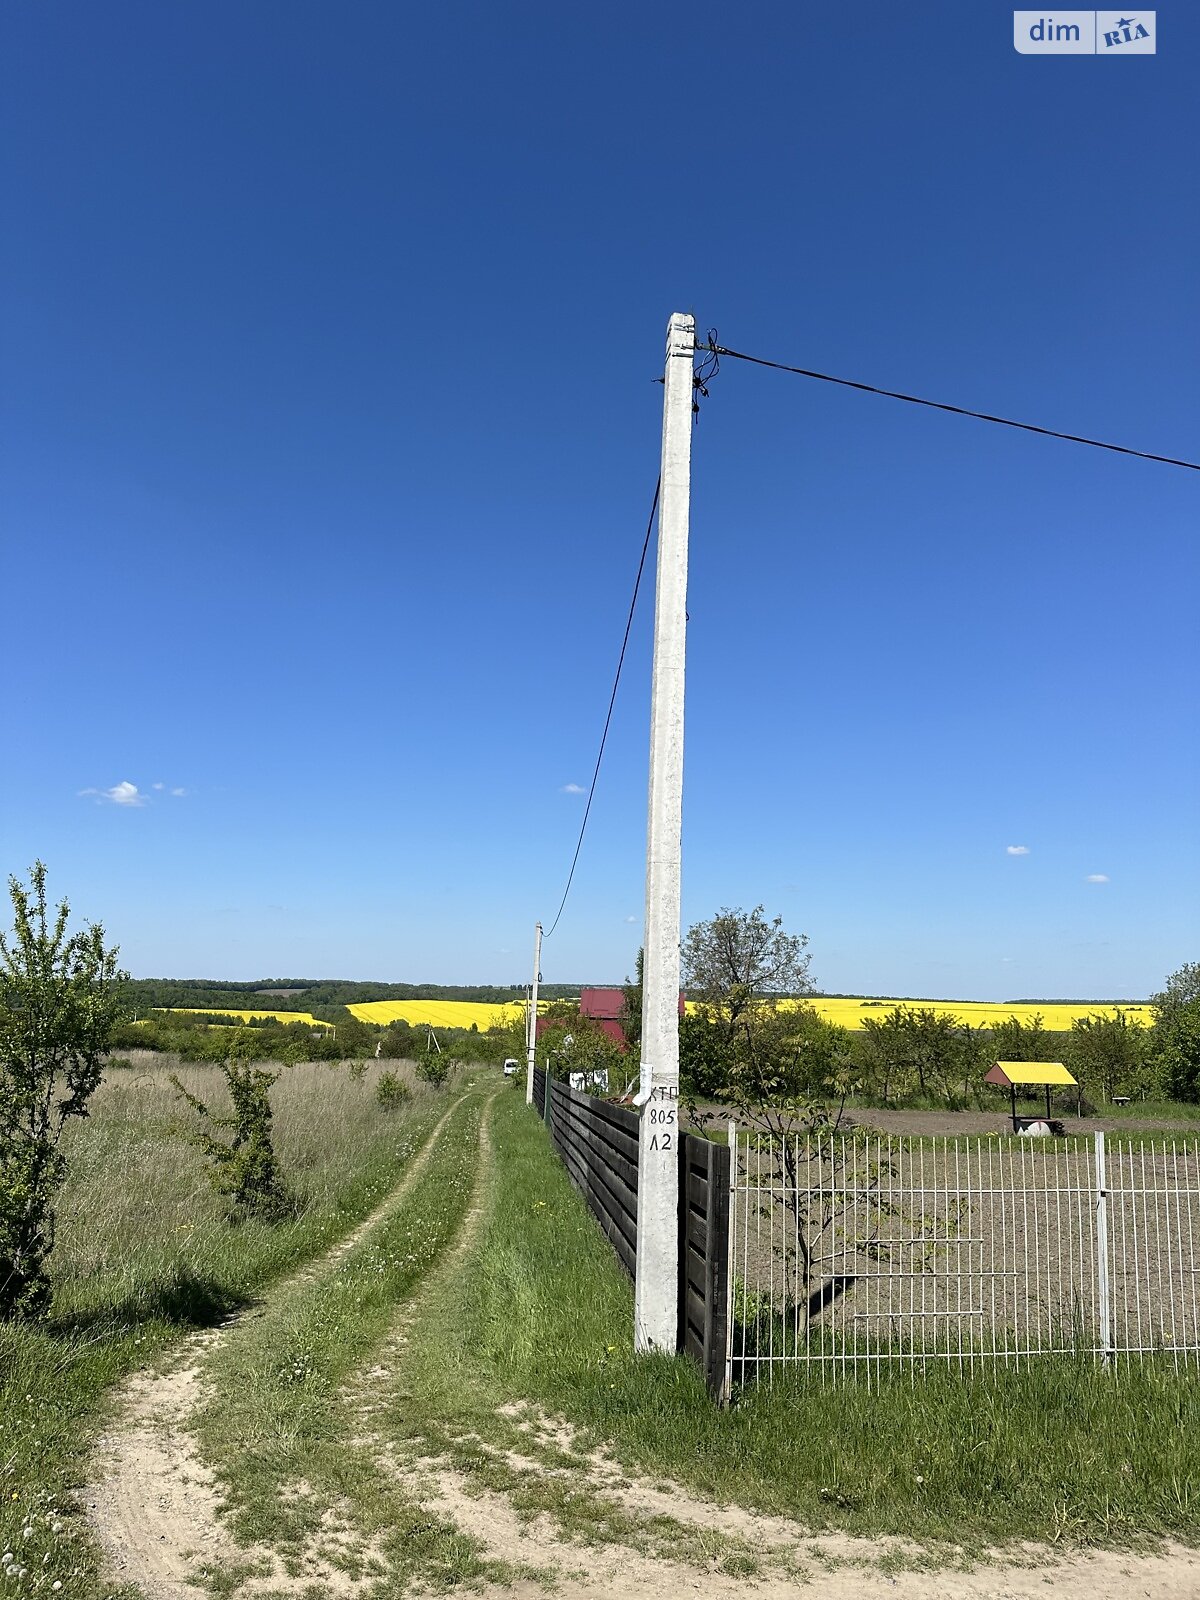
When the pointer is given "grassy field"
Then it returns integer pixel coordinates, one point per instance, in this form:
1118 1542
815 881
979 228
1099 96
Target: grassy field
144 1255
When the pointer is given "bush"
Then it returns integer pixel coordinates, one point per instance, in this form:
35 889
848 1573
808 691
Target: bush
391 1092
243 1167
433 1069
60 997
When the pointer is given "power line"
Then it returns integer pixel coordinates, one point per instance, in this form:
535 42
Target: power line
612 700
940 405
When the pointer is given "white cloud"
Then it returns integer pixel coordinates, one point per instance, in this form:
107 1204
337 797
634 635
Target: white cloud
158 785
1016 849
1096 877
178 793
572 788
632 919
121 794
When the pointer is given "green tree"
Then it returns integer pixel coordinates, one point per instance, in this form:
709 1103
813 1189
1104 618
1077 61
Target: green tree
914 1051
579 1044
631 1007
1175 1040
392 1092
776 1066
739 961
787 1075
434 1067
242 1162
884 1054
397 1041
1108 1054
1014 1040
788 1070
505 1037
60 998
705 1054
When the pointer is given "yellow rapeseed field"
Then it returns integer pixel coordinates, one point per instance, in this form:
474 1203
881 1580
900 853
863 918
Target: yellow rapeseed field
438 1013
224 1011
851 1012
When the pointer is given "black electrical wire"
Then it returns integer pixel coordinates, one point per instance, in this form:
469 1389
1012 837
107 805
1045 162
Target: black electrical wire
612 700
940 405
712 351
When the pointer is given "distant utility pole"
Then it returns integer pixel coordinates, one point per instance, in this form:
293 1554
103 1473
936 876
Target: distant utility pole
531 1019
656 1285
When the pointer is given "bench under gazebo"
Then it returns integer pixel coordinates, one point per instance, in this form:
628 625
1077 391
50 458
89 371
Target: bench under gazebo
1014 1075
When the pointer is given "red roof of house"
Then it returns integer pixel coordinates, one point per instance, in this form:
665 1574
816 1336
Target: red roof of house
606 1005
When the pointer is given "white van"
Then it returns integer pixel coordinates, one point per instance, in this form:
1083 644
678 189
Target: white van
511 1066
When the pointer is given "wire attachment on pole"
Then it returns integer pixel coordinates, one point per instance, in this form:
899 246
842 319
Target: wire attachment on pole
705 372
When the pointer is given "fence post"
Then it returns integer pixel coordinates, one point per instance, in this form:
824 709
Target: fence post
727 1386
1102 1284
546 1100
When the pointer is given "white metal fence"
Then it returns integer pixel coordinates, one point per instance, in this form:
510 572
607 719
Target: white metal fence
852 1253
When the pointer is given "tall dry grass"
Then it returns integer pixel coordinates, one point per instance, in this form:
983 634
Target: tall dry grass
138 1214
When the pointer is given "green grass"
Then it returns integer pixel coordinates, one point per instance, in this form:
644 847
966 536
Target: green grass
1056 1451
279 1418
1178 1111
144 1254
280 1430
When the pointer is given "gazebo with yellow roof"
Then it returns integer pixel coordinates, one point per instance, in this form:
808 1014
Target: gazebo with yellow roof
1028 1075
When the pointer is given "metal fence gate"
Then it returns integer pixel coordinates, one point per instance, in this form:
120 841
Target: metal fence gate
854 1253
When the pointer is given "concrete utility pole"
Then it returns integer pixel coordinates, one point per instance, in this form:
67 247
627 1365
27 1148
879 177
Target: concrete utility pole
656 1286
531 1019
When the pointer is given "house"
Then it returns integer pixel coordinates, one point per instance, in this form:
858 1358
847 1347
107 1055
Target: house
605 1007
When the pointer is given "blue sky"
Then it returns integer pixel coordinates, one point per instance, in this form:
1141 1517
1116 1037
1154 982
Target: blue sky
331 435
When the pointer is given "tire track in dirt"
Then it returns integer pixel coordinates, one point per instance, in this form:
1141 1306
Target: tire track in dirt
795 1563
841 1566
154 1504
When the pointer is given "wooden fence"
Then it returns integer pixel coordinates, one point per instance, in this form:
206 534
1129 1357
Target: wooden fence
704 1258
598 1143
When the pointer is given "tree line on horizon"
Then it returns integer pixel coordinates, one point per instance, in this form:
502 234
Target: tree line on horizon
320 996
